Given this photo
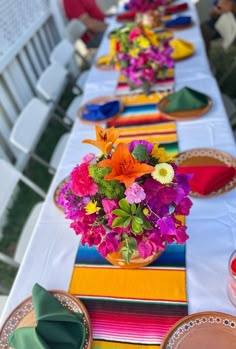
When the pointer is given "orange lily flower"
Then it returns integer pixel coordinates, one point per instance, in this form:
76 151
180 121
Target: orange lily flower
105 139
125 168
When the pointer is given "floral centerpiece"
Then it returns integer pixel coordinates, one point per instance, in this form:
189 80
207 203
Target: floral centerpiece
127 198
141 55
145 5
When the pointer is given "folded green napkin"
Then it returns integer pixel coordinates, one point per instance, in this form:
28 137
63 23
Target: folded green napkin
56 326
186 99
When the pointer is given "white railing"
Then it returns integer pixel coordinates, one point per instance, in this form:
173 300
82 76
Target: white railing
22 60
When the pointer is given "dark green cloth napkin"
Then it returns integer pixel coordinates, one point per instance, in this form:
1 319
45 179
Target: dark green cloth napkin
56 328
186 99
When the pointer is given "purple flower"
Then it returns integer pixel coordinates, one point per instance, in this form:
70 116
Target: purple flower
181 235
147 145
110 244
184 207
167 226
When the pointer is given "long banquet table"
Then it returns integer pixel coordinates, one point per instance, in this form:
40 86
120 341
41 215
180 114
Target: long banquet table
50 256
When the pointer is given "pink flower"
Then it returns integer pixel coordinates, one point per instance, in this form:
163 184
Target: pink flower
136 32
93 236
81 183
145 249
110 244
181 235
89 158
135 194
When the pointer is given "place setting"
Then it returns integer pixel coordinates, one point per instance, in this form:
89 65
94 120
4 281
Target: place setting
47 319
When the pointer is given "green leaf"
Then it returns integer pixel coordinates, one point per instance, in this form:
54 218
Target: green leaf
136 227
126 253
132 243
120 213
124 205
146 225
120 222
133 208
138 220
140 152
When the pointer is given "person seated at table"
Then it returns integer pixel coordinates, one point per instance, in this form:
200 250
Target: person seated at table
91 16
219 7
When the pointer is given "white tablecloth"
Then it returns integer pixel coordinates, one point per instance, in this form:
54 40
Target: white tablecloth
211 225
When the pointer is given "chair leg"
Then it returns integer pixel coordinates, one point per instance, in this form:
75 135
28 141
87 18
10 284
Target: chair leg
33 186
66 122
8 260
36 157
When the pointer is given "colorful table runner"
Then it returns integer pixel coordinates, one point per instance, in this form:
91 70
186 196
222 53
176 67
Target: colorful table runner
134 309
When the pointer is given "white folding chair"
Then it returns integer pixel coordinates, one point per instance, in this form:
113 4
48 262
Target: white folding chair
74 30
64 54
52 82
10 177
28 130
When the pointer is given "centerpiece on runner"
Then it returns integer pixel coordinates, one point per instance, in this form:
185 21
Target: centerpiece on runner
142 56
128 200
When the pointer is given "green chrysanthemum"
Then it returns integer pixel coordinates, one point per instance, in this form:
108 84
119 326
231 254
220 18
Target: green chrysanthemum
109 189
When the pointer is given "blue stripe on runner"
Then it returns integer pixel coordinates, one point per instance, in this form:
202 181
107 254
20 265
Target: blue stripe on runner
173 256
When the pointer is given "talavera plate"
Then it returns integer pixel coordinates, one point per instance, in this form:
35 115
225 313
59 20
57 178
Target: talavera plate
23 316
209 330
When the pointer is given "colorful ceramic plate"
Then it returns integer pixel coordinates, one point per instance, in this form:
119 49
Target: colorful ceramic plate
57 192
206 156
202 331
99 100
23 316
184 115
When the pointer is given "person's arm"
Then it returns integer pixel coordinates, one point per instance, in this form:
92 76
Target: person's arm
215 12
93 24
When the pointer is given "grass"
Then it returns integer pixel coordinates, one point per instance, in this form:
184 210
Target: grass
25 198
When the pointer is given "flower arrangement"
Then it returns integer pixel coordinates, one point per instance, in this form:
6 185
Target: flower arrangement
142 55
145 5
130 193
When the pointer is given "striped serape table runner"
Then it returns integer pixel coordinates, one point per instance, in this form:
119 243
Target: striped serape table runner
134 308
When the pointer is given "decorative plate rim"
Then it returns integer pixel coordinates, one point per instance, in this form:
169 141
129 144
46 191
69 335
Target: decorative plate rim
230 161
26 306
185 113
57 192
97 100
188 322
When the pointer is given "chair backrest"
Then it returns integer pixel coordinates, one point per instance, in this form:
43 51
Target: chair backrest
10 176
62 53
58 15
9 179
52 82
226 26
74 30
30 125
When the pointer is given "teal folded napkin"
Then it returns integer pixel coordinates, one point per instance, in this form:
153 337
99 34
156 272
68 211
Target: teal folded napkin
56 326
185 99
